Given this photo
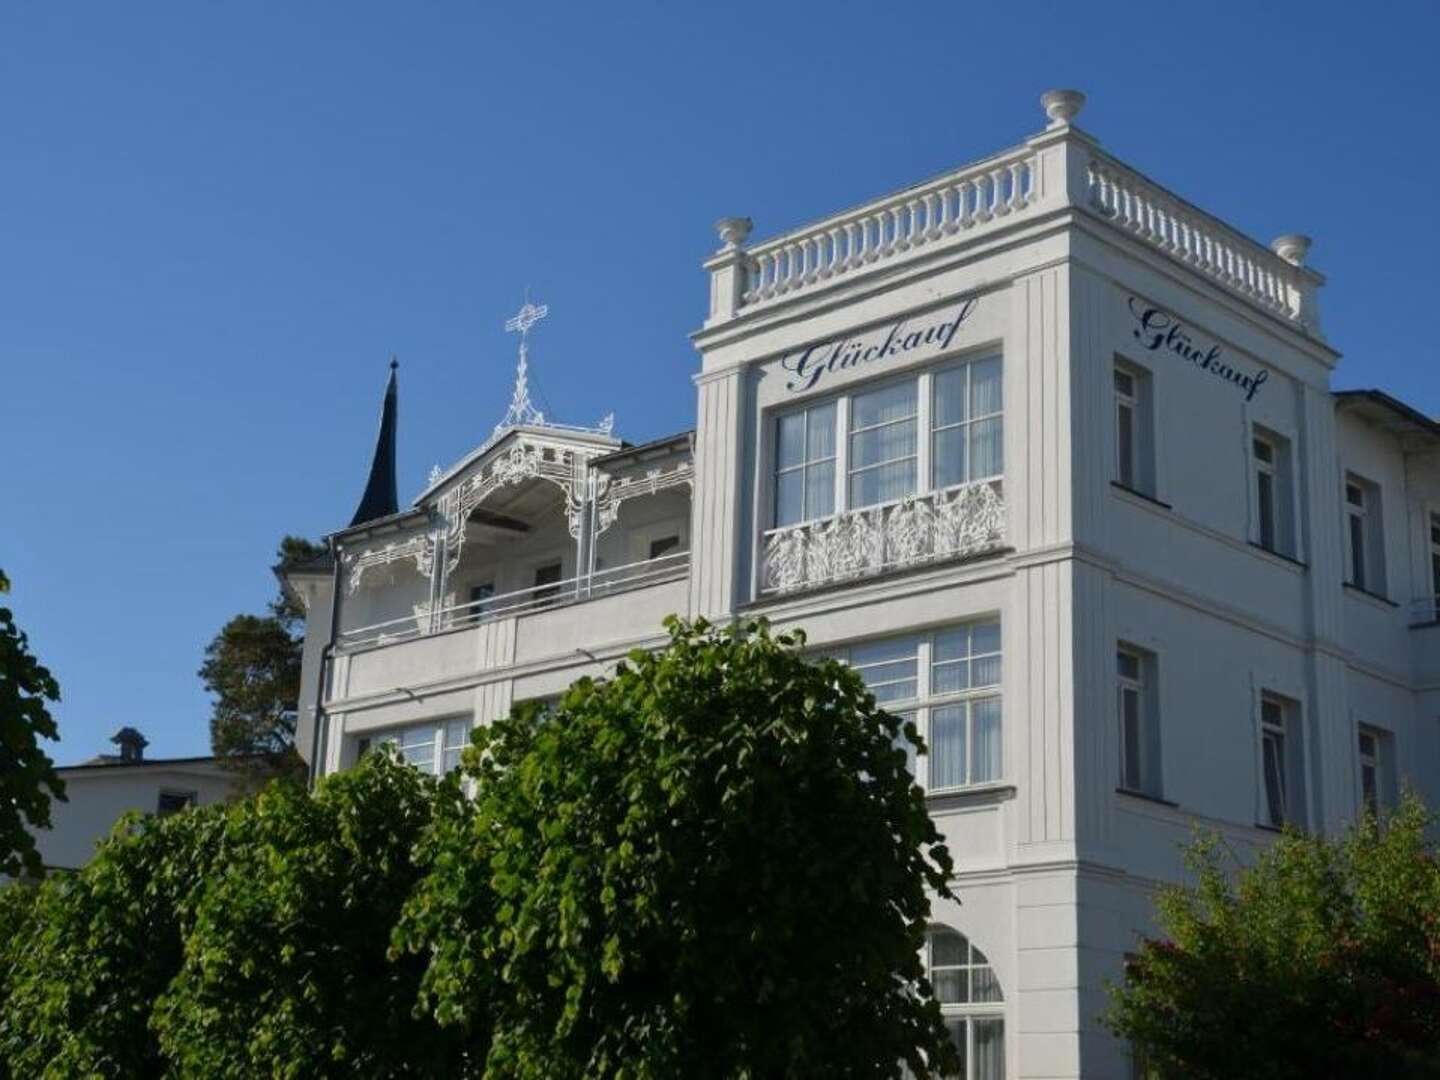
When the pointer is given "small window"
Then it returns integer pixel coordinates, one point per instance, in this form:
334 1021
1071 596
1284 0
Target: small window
1281 763
433 746
966 423
1365 564
1376 762
456 738
1139 729
172 802
1274 503
1134 459
666 545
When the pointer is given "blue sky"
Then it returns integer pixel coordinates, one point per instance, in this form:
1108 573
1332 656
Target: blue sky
217 222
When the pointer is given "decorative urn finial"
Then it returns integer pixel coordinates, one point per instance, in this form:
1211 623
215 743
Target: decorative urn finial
1062 106
734 231
1292 247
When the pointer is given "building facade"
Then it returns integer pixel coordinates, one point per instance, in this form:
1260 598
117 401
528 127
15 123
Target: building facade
1053 457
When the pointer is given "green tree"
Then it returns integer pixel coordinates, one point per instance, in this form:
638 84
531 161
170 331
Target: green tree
713 864
252 667
1322 958
101 945
286 971
28 780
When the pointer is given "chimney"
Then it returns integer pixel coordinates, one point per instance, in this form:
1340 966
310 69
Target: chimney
132 745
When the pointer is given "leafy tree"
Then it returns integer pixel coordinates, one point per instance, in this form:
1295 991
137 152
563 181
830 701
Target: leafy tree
101 945
252 666
285 970
1320 959
713 864
28 780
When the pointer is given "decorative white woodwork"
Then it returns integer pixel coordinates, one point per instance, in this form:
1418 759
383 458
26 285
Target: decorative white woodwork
610 491
953 523
420 548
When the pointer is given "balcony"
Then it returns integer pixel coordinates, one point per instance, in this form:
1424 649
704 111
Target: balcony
956 522
425 622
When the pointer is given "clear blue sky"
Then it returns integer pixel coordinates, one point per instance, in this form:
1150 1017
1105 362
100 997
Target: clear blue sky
217 222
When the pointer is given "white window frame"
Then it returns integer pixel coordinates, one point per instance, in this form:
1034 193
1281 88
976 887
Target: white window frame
1287 735
1137 402
1378 761
806 463
969 1011
1140 688
1365 569
448 735
920 707
924 436
1267 478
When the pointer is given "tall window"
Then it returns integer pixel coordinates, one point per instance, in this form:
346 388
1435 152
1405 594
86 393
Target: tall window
1375 764
970 1000
874 445
1138 721
967 425
884 453
805 465
1134 459
1274 503
948 684
1365 541
432 747
1281 762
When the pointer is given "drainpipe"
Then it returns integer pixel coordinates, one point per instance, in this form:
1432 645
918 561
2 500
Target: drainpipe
325 655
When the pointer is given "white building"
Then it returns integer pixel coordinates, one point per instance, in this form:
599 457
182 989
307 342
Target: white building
1049 452
100 790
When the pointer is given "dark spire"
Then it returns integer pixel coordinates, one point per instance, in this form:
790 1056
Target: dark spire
380 499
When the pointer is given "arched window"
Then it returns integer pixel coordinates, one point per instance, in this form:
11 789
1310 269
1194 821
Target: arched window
970 997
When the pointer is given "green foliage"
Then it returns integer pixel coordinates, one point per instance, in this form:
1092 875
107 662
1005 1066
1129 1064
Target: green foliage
713 864
252 667
285 971
1321 959
102 944
28 780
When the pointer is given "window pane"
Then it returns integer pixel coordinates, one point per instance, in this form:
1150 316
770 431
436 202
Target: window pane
820 490
893 402
790 497
1128 664
820 433
1357 550
985 715
984 986
948 397
985 637
950 988
989 1033
451 759
948 949
884 483
952 644
985 387
947 746
1266 493
957 1028
987 449
790 440
1124 383
1274 754
882 444
1125 444
985 671
948 457
950 677
1130 738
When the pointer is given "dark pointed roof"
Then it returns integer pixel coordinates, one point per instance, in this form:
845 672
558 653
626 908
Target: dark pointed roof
380 498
